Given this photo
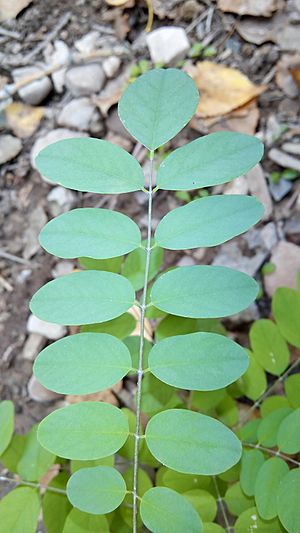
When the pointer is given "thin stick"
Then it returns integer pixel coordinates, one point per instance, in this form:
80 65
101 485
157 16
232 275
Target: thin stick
277 453
141 351
266 394
150 16
30 484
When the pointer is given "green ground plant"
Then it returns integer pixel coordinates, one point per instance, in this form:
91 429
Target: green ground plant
185 441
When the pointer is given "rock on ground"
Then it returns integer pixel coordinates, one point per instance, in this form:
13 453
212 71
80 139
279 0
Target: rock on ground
47 329
33 93
33 345
60 200
10 146
167 44
77 114
258 187
85 80
286 258
39 393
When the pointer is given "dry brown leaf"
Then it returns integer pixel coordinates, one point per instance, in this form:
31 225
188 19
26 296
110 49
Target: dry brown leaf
242 120
9 9
23 119
222 89
112 92
101 396
286 74
255 8
295 72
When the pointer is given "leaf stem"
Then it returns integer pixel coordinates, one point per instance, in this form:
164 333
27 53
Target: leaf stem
277 453
19 481
140 372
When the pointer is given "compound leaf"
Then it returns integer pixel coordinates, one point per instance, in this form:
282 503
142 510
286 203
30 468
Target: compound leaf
97 490
288 501
19 511
266 486
210 160
87 430
269 347
82 363
78 522
207 222
198 361
83 298
158 105
7 412
203 291
192 443
90 232
159 504
90 165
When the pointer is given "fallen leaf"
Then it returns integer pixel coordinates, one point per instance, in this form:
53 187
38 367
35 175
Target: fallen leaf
277 30
101 396
9 9
222 89
257 8
112 92
295 72
148 331
23 119
242 120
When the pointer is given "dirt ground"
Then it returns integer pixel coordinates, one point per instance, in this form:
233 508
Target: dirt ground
273 114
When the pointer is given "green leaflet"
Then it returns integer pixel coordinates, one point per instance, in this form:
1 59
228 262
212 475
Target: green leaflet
120 327
288 436
90 165
158 105
266 486
162 508
252 460
269 347
155 395
211 527
19 511
248 432
109 265
83 298
182 326
7 412
204 503
288 501
210 160
273 403
286 311
269 425
250 521
198 361
97 490
203 291
90 232
254 382
105 461
236 501
133 267
182 482
78 522
13 453
208 221
192 443
82 363
87 430
292 390
35 460
144 483
56 507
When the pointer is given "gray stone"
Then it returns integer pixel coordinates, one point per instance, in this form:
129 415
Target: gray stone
47 329
62 268
37 219
60 200
167 44
60 54
186 260
237 186
280 190
85 80
286 258
231 256
111 66
10 147
35 92
291 148
51 137
77 114
284 160
88 42
292 228
258 187
39 393
33 345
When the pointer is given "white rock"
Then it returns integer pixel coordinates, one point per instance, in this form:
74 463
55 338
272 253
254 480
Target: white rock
33 345
258 187
47 329
35 92
10 147
87 43
39 393
60 54
62 268
111 66
284 160
237 186
85 80
167 44
52 137
186 260
291 148
37 219
286 258
77 114
60 200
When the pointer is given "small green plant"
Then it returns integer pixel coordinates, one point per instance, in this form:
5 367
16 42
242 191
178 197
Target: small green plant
153 109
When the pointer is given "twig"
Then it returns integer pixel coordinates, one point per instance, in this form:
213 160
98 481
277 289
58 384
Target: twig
9 33
50 37
15 258
277 453
197 21
141 350
150 16
265 394
7 286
